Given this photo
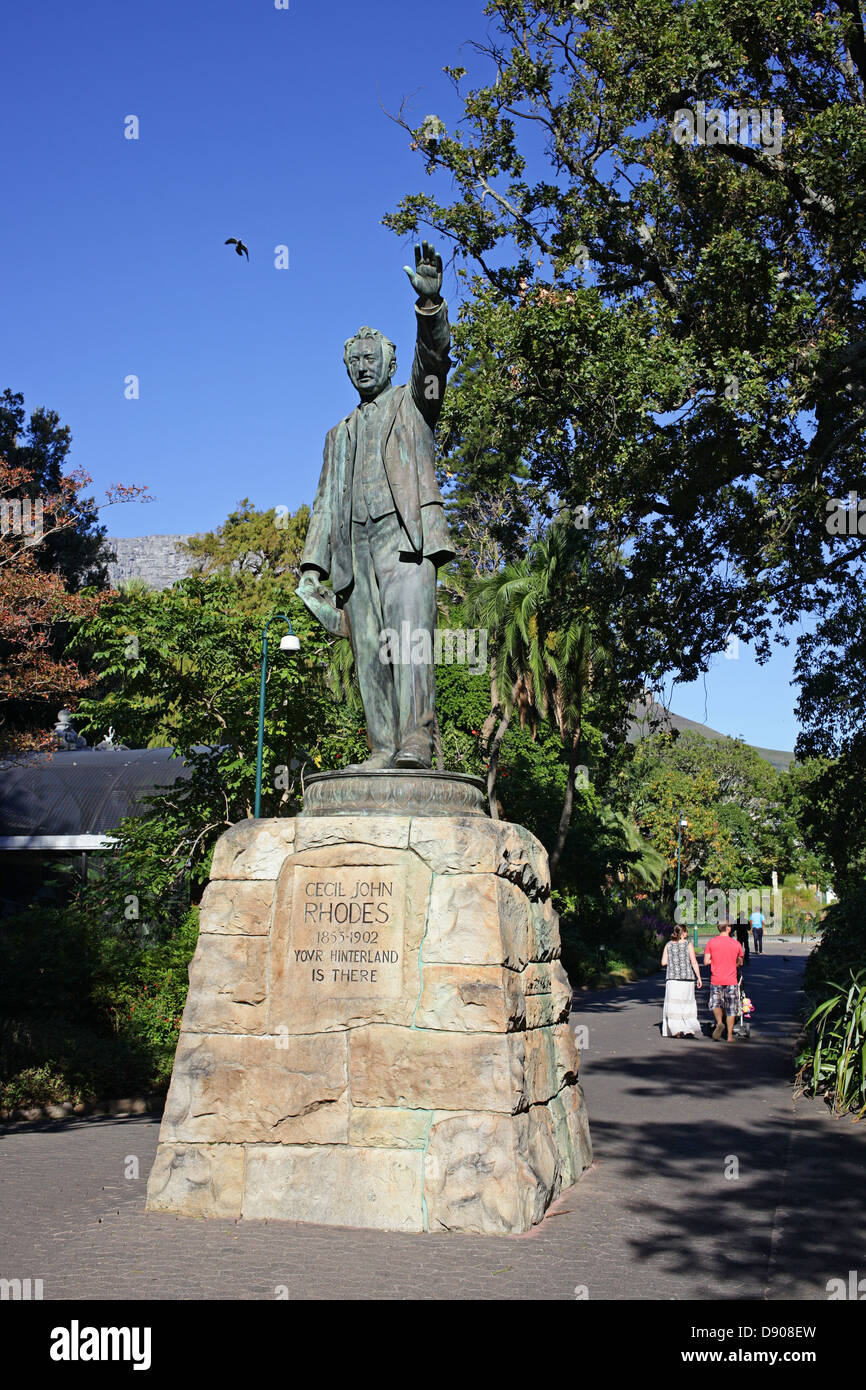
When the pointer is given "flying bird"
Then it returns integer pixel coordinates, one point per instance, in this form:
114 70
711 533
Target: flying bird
238 245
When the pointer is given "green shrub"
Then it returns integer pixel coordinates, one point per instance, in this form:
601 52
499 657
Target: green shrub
842 946
89 1011
833 1062
598 938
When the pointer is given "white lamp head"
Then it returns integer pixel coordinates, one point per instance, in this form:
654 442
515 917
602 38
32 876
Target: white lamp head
290 643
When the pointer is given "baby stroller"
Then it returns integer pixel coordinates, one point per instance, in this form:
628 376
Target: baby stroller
742 1026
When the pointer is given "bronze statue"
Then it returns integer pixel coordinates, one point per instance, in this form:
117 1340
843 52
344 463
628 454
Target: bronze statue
378 528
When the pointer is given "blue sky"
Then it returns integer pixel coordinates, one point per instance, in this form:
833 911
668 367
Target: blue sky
258 123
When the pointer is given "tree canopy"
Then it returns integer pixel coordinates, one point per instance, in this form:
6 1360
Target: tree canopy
670 333
36 449
264 543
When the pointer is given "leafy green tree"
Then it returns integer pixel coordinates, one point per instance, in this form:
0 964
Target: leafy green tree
36 448
831 815
89 1007
603 849
832 708
550 655
664 792
830 673
804 851
670 333
733 800
181 668
642 868
45 539
267 544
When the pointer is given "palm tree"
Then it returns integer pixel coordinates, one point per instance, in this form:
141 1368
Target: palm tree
645 863
547 649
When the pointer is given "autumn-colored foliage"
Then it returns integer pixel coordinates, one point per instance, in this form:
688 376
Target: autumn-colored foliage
35 678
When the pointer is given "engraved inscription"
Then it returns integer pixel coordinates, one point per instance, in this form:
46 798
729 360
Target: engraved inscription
347 932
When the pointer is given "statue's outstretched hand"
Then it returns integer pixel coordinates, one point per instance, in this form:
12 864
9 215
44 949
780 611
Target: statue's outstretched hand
426 278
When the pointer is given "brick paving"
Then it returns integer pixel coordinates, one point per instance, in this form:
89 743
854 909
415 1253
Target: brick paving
654 1218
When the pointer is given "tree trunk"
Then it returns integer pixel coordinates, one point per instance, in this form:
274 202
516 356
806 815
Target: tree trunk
495 705
567 805
493 764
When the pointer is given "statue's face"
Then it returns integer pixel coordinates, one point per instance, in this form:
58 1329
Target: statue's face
367 367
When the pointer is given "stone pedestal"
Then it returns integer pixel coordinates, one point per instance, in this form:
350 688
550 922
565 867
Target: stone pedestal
376 1032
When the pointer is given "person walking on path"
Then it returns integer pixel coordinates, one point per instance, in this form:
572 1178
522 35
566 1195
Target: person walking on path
741 931
756 922
680 1016
723 956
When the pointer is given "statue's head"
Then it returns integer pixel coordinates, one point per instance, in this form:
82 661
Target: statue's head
371 360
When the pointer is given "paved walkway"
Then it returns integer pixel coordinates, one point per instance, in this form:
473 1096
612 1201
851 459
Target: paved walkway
654 1218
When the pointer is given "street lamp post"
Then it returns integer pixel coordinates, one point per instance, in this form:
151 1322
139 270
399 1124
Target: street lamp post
288 643
681 824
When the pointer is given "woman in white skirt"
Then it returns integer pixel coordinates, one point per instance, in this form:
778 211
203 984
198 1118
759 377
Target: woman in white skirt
680 1017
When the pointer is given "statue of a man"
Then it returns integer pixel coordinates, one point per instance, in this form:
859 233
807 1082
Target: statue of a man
378 527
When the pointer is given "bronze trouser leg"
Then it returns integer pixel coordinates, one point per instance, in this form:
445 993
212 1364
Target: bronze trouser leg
364 611
400 591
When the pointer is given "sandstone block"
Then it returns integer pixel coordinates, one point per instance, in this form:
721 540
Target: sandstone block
561 990
197 1179
551 1062
335 1186
315 832
253 849
476 919
548 994
493 1174
544 936
563 1139
567 1056
456 844
541 1011
471 998
536 978
541 1162
237 906
347 927
285 1090
386 1127
421 1070
523 860
470 1176
470 844
540 1062
577 1118
227 985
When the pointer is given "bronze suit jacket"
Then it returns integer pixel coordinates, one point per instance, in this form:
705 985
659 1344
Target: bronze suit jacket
408 457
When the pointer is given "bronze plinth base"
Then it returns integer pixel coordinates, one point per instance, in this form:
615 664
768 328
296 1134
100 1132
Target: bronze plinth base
391 791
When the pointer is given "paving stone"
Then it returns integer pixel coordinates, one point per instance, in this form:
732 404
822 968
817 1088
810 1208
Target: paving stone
653 1219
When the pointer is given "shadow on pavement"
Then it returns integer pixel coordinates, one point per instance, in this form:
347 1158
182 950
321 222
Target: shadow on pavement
690 1219
66 1123
723 1181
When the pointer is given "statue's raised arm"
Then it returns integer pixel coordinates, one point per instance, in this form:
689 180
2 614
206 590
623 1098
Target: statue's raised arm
431 364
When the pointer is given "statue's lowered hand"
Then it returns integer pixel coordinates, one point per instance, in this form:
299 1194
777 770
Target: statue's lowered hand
322 603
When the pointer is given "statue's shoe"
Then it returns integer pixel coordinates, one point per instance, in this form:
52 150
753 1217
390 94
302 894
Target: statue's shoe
382 758
415 752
